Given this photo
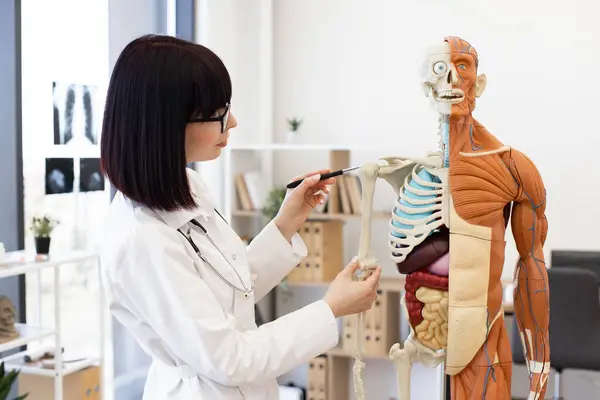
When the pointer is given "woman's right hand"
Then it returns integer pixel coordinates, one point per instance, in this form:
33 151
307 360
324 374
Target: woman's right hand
346 296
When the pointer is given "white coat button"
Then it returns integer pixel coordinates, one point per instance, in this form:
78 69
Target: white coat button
234 256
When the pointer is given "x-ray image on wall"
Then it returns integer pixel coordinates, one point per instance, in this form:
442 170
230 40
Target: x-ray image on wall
59 175
75 114
90 175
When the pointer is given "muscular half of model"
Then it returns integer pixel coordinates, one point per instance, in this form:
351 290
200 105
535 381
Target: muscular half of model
447 235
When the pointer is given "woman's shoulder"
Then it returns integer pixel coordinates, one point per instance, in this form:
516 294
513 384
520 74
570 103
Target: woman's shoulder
130 229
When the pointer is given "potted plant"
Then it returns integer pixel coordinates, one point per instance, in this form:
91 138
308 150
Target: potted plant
293 126
42 228
7 381
273 203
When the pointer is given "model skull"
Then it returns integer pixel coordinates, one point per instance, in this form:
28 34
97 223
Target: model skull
450 77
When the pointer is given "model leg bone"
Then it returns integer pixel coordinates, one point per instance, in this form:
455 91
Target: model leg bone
412 351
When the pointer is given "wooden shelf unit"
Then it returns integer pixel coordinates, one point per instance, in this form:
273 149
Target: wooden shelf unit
316 215
336 364
326 256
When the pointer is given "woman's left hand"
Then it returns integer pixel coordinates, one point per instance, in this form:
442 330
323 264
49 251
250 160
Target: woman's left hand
301 201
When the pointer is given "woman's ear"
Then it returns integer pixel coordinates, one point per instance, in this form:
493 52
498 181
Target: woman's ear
480 84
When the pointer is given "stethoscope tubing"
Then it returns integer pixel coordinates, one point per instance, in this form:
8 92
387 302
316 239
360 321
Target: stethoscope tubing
188 237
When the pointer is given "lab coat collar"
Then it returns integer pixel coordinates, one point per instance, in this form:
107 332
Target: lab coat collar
205 208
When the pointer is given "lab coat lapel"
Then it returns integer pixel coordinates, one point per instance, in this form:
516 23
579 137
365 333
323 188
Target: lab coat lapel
243 307
233 250
228 253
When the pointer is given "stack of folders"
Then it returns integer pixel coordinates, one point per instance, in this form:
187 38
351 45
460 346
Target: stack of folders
381 326
317 379
324 242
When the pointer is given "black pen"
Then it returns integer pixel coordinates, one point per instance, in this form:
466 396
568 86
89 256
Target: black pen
323 177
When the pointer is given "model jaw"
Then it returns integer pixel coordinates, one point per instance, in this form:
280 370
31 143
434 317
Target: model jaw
452 96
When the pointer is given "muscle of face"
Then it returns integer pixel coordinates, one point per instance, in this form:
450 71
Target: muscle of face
450 77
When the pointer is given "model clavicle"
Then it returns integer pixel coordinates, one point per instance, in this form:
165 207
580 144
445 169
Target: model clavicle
448 224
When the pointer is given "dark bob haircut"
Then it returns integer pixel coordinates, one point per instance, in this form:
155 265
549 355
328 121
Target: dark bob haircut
157 85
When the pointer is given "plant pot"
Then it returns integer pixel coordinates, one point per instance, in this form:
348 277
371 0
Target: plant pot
291 136
42 245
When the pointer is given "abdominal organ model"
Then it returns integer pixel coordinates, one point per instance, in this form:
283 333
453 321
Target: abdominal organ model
447 236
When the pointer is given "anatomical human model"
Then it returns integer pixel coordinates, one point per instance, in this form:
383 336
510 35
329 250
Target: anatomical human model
447 235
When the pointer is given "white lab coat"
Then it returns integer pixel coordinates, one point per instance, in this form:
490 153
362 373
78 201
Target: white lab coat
199 331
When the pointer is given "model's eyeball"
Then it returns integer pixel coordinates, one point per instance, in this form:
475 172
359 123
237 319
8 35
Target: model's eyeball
440 67
462 66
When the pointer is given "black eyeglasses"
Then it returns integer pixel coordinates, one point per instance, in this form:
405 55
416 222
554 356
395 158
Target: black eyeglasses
223 118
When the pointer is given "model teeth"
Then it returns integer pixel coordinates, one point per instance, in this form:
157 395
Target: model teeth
451 95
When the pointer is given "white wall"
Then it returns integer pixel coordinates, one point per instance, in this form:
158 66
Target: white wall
350 69
239 32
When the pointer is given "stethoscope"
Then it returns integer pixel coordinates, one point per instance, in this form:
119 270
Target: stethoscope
188 237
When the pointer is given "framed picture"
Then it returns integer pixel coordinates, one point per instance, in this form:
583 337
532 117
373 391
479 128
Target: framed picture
90 175
76 115
59 175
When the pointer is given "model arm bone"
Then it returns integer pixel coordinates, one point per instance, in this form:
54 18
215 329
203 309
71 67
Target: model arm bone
368 173
366 262
531 289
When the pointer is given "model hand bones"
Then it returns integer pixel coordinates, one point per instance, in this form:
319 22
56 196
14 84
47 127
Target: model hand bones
449 218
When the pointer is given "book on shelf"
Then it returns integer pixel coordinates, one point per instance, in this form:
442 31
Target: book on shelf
345 197
251 190
349 194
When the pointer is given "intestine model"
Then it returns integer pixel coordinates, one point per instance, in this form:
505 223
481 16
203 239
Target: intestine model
447 236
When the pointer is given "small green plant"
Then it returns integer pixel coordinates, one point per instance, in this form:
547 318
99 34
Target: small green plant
294 124
6 382
43 226
273 203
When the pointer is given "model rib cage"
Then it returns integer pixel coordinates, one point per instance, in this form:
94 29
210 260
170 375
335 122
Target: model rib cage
417 212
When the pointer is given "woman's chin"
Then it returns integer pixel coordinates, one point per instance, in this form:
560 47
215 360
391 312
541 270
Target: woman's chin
206 156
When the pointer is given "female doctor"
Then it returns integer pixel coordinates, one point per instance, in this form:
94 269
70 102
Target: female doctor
175 274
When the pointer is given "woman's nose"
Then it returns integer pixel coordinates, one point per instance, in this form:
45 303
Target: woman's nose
232 122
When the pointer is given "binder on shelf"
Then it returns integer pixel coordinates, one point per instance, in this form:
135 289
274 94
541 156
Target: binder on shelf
381 326
348 331
317 379
301 272
324 242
